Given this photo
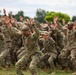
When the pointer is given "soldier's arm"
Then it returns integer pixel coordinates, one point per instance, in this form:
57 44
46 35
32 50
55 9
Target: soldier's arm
52 42
59 25
36 32
4 11
13 30
34 28
61 43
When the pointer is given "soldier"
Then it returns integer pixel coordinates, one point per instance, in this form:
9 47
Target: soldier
64 54
72 47
30 42
14 42
5 52
50 52
2 48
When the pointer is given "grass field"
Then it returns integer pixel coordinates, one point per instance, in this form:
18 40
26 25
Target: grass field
11 71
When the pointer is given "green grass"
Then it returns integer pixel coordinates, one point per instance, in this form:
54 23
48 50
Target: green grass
11 71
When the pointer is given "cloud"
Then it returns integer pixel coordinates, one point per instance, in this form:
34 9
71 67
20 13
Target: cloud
30 6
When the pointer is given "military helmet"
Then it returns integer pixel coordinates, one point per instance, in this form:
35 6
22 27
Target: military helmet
44 33
45 28
25 28
70 23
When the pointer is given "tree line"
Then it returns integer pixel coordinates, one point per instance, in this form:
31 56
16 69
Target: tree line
42 15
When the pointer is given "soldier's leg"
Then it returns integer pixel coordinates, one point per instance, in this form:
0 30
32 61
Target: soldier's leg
63 59
19 64
20 50
2 62
33 64
44 61
73 59
51 61
2 56
73 55
8 61
21 54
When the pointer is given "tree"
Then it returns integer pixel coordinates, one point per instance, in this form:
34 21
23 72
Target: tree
50 15
40 15
26 17
20 13
73 18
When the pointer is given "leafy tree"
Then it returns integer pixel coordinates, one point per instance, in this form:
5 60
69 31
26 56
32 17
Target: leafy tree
73 18
26 17
50 15
40 15
20 13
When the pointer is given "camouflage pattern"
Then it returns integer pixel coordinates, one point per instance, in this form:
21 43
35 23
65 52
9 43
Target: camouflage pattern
20 50
67 52
63 57
25 51
16 42
7 39
21 54
32 51
72 47
2 48
50 52
58 38
5 55
64 54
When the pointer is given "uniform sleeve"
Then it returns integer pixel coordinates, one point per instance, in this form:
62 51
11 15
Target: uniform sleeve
60 41
59 26
14 30
36 33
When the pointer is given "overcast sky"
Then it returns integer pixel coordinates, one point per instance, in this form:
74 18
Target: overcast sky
30 6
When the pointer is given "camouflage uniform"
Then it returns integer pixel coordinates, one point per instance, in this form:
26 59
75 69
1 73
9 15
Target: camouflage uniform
5 55
72 47
32 53
50 52
40 42
65 53
21 54
58 38
2 48
15 43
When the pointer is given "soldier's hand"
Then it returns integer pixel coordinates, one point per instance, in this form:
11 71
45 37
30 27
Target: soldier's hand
10 15
12 20
63 21
9 25
21 18
55 19
28 22
6 20
32 21
47 22
4 11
